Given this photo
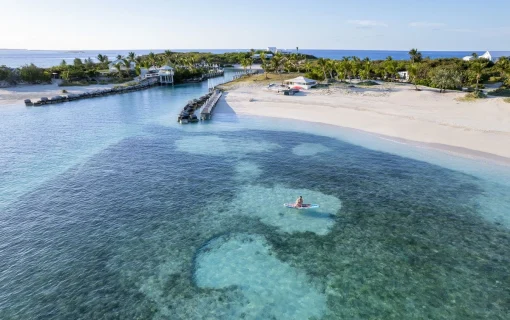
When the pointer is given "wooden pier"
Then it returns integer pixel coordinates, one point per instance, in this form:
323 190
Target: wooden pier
209 105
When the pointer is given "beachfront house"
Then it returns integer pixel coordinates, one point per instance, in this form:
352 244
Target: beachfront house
164 73
300 83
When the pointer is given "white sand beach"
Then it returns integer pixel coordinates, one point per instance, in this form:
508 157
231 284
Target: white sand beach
17 94
480 128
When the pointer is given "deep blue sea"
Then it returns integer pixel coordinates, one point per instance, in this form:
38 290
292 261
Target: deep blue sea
111 210
48 58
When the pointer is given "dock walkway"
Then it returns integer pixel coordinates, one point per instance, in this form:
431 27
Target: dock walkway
209 105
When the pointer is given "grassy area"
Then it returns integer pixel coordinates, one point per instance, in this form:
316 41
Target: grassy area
73 83
472 96
126 84
500 92
260 79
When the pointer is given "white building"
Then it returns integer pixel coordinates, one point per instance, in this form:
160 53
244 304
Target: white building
486 55
302 82
403 75
164 73
257 56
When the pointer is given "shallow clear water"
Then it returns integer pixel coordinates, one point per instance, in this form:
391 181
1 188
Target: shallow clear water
110 210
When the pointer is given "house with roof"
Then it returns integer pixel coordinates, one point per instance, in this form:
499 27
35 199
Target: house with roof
165 74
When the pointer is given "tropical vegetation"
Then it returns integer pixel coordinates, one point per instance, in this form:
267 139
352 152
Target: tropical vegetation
452 73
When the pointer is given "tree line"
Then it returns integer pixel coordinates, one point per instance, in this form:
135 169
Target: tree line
448 73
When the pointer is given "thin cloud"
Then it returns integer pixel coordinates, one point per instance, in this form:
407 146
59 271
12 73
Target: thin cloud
461 30
427 24
367 23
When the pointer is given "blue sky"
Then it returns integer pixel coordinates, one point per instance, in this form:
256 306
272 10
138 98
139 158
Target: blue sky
223 24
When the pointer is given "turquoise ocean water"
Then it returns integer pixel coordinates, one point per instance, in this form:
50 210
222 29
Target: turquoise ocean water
111 210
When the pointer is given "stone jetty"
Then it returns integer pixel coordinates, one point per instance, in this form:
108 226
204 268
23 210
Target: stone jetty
92 94
187 114
209 105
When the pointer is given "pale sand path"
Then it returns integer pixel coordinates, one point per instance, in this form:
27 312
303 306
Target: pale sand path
17 94
391 110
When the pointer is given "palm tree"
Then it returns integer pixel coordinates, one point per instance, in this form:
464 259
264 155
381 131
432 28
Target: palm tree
277 63
131 56
477 67
390 67
152 58
355 66
415 55
118 67
294 61
347 67
127 64
367 68
263 64
119 57
245 63
340 70
413 74
308 66
63 63
503 66
297 49
323 64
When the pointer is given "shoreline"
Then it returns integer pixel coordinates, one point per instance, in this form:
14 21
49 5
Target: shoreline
477 130
15 96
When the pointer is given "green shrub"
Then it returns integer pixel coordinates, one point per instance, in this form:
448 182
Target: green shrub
5 73
477 95
423 82
32 74
473 96
315 75
507 100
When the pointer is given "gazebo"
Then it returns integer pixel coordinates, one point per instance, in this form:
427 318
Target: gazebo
302 82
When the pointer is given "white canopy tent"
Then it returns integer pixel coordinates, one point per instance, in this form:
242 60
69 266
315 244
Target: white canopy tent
302 82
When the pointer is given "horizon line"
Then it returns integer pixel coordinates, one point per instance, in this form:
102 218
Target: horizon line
238 49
